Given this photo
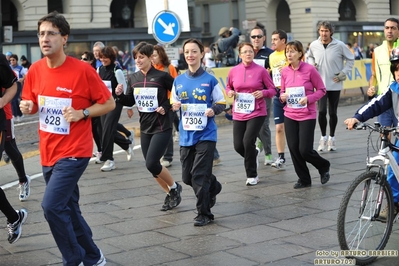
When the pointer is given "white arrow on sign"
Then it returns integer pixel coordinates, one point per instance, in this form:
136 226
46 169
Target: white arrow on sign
168 28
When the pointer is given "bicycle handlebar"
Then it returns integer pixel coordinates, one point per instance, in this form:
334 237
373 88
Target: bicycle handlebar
376 127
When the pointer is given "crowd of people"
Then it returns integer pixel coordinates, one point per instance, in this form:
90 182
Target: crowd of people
300 86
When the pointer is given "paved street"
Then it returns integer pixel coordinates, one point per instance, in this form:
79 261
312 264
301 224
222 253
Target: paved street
270 223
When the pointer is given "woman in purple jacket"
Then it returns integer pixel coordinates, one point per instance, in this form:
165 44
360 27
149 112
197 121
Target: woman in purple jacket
248 83
301 88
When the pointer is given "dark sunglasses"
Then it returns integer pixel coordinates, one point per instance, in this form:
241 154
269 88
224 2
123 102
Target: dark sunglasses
256 36
84 59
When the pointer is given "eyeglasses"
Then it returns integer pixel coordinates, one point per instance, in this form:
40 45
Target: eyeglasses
84 59
42 34
256 36
247 52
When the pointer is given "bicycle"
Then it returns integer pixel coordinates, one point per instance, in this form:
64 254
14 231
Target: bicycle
361 229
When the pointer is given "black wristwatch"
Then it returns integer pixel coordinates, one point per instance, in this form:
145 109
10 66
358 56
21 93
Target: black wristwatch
86 114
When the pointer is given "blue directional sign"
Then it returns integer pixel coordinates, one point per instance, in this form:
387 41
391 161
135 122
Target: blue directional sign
166 27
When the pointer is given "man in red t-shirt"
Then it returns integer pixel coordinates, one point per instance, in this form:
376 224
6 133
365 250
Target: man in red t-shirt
65 92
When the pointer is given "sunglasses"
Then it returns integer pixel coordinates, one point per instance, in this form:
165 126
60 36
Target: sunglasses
256 36
84 59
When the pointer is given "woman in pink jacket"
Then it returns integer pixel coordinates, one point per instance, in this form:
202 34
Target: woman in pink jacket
301 88
248 83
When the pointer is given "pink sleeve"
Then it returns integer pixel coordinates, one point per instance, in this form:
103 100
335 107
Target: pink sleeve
268 82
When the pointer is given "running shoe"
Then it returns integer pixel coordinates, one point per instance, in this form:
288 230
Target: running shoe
15 229
24 189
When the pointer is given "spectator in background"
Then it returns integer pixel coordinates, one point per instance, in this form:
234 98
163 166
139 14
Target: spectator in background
370 50
97 47
20 72
358 51
349 45
227 44
209 61
126 61
25 62
161 62
182 61
8 54
118 60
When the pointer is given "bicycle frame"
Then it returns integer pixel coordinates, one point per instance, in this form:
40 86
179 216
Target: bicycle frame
385 156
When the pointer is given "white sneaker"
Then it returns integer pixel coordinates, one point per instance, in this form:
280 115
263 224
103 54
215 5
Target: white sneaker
176 137
108 166
322 144
252 181
24 189
129 153
331 144
279 164
98 158
165 163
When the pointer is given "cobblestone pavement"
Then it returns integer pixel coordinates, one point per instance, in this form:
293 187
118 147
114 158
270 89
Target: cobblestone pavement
270 223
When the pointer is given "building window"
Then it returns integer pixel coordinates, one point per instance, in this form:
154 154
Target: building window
347 11
206 23
191 16
235 19
55 5
394 7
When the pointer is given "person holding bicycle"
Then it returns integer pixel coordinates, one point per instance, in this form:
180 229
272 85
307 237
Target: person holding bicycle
389 99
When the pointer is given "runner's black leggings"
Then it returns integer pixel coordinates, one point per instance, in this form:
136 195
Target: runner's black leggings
5 206
16 159
333 100
153 147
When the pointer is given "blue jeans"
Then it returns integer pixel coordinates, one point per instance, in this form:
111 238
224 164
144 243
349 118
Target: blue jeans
61 210
393 182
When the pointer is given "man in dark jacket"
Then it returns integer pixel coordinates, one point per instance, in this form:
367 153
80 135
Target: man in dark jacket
227 42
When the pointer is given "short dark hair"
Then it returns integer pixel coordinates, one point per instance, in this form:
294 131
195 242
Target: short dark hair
393 20
108 52
326 24
14 56
281 34
297 45
58 21
259 28
394 67
144 48
196 41
89 55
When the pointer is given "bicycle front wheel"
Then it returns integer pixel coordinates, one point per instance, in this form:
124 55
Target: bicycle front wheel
360 226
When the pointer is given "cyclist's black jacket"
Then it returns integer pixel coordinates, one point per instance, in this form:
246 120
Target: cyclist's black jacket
151 123
380 104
